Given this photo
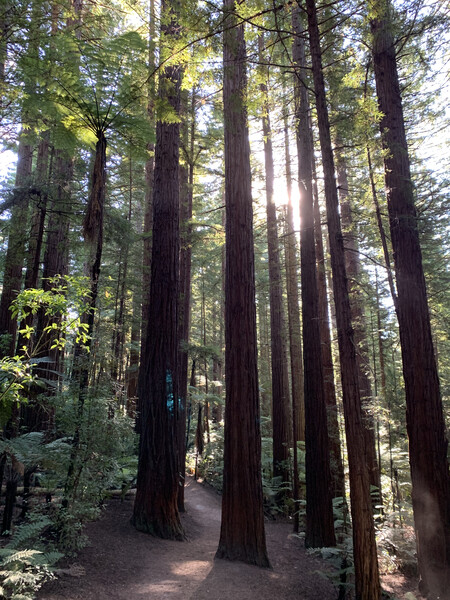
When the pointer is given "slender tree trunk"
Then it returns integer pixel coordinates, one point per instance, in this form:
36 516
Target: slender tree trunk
56 255
135 337
367 585
3 52
334 436
156 503
424 415
93 236
242 535
319 509
38 218
15 253
383 237
186 194
280 377
295 337
353 270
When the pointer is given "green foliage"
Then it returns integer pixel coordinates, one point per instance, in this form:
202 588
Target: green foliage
26 562
63 306
106 459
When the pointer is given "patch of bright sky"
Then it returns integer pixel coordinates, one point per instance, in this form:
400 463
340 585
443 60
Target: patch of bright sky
8 160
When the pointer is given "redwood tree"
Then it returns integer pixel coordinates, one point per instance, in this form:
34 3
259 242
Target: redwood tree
242 535
319 510
424 415
155 507
367 585
280 377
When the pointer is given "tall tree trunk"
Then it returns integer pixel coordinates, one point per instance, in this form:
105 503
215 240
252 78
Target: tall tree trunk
34 417
15 253
295 336
280 377
319 509
56 255
242 535
156 504
334 436
93 237
424 415
149 165
353 270
367 584
382 232
184 322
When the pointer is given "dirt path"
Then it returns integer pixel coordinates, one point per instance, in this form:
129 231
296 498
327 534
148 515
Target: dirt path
123 564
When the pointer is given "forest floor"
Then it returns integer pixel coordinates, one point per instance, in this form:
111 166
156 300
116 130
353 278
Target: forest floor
121 563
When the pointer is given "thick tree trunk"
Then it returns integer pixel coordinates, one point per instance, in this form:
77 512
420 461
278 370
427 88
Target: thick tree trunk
367 585
280 377
242 535
319 509
156 504
424 415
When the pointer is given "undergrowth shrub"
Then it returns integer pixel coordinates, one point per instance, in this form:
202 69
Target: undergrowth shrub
28 559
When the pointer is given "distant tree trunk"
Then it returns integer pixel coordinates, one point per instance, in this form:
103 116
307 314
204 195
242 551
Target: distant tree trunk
242 535
295 336
184 321
15 253
3 52
156 504
334 436
382 232
136 325
56 255
40 194
133 365
319 508
367 585
93 236
424 415
38 197
120 330
34 417
353 269
280 377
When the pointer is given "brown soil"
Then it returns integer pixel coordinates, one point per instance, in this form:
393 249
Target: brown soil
123 564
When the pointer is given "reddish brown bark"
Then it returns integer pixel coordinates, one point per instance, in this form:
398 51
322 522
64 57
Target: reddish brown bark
15 253
279 370
156 504
149 165
353 269
319 510
186 193
295 337
424 415
367 585
242 535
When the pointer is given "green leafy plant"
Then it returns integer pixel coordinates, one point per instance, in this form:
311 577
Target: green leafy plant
27 561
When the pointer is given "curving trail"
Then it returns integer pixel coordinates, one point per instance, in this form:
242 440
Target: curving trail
123 564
